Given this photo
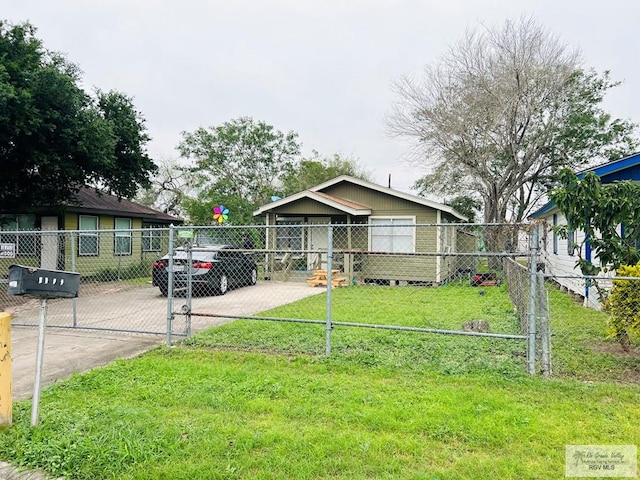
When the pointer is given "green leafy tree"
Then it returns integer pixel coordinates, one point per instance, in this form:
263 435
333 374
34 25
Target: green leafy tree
128 166
465 205
502 112
317 169
600 211
55 138
199 209
239 162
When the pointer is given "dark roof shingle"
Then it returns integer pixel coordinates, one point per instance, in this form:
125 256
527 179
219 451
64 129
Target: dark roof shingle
89 200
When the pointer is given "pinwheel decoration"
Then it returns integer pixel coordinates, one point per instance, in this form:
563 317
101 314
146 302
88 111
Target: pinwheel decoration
220 214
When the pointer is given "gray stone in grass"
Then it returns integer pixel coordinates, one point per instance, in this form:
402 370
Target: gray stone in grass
476 326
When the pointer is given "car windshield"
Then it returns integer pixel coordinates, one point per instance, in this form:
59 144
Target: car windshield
182 255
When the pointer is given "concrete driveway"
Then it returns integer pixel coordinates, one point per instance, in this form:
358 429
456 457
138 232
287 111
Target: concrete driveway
140 308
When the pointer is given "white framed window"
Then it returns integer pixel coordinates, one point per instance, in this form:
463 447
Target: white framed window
88 236
289 234
392 234
151 238
24 243
122 237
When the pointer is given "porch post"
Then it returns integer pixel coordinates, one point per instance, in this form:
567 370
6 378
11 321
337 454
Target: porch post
270 244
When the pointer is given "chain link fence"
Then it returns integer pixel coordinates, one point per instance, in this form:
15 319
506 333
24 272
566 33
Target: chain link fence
115 273
576 314
474 294
443 282
583 343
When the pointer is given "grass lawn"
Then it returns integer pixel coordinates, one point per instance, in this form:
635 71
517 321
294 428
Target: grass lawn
261 400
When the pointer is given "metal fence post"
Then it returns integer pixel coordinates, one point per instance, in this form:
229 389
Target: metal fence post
170 285
545 328
73 269
329 287
35 405
533 275
187 308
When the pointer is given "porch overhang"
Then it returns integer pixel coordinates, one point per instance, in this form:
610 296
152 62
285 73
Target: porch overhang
340 204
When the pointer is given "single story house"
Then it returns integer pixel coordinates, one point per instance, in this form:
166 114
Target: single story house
558 254
379 234
88 235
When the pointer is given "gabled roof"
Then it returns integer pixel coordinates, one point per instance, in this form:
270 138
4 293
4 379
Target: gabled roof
341 204
316 193
358 208
89 200
627 168
541 212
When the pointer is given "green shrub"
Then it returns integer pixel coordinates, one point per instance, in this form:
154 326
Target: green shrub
623 306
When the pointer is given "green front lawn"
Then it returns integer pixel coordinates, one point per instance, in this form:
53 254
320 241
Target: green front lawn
261 400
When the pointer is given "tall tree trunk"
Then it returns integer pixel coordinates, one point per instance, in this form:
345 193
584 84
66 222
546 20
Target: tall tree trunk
493 240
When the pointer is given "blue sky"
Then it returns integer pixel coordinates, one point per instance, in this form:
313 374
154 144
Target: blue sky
321 68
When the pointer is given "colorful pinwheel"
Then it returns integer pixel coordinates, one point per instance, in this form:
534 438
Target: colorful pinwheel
220 214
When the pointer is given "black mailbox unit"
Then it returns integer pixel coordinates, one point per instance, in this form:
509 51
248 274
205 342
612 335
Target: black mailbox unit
43 283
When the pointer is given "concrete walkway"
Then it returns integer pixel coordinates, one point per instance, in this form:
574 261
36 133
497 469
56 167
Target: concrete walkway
75 350
68 351
8 472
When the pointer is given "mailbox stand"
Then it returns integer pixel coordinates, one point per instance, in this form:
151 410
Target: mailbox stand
39 361
44 284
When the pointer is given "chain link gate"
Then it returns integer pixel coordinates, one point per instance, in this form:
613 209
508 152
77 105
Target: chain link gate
287 257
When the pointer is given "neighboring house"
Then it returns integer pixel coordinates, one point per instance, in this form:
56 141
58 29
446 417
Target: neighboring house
93 233
558 254
383 222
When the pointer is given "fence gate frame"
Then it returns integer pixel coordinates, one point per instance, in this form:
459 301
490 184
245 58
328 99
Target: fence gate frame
532 338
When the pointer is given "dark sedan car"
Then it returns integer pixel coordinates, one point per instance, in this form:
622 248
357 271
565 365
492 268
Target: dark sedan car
214 269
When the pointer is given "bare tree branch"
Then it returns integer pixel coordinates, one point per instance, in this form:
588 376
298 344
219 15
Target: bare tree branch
503 109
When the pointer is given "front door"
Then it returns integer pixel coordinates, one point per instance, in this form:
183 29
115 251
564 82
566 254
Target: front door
49 243
318 242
